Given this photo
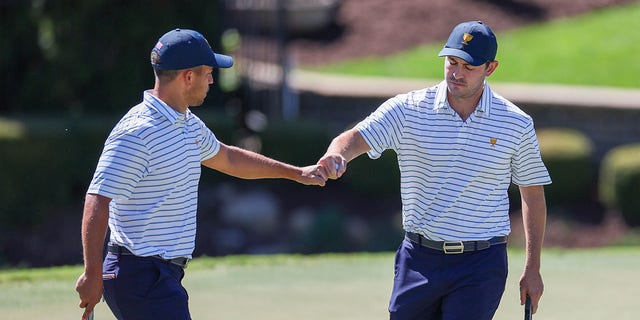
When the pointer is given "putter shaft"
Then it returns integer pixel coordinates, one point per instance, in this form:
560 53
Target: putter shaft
527 309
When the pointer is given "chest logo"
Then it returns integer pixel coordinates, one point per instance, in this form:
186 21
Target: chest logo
493 142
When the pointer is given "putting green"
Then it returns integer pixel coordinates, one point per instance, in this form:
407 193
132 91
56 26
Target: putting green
580 284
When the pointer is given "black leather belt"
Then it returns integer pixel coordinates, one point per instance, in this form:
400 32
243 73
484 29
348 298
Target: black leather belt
455 247
120 250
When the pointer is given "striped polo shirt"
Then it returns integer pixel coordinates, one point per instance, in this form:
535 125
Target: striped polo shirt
455 174
150 168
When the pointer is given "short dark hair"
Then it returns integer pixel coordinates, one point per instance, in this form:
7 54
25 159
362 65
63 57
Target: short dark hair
162 75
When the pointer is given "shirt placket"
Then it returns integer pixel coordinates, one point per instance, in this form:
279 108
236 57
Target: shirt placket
465 129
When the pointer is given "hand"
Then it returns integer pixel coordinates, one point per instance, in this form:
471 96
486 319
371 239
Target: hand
334 165
90 291
531 285
313 175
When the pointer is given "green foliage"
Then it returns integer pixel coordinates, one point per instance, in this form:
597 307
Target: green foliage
328 232
620 182
11 129
568 155
374 177
298 143
90 56
303 143
49 164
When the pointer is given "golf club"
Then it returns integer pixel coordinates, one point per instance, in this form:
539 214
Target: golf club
527 309
90 317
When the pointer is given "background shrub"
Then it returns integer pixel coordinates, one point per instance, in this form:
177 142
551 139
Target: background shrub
93 58
379 177
620 182
47 163
568 155
300 143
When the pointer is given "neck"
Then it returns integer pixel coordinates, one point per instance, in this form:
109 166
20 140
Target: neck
170 96
464 107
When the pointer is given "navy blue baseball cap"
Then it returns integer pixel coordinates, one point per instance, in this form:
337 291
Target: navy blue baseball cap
472 41
183 49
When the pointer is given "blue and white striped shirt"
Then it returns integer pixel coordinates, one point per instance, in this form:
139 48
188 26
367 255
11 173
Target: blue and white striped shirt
150 168
455 175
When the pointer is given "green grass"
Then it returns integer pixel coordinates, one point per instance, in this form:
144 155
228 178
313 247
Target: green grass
580 284
598 48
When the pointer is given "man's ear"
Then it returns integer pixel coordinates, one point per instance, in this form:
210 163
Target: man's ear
492 66
186 76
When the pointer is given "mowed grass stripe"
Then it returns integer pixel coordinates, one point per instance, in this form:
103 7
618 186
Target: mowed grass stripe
580 284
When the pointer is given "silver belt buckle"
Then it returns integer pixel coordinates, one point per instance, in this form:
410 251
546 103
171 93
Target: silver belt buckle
453 247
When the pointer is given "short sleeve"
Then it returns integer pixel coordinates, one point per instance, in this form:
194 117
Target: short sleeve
209 145
122 164
382 129
527 166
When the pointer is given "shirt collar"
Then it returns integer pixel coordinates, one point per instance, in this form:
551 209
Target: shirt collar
441 104
164 109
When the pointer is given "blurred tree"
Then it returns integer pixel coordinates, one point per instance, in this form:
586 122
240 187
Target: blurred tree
89 56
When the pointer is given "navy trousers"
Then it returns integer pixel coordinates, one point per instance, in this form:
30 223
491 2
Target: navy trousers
144 288
430 284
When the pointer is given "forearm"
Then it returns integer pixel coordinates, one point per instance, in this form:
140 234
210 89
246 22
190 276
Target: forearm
534 214
251 165
342 149
94 229
245 164
350 144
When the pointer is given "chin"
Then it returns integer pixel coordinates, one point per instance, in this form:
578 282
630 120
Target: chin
198 103
453 88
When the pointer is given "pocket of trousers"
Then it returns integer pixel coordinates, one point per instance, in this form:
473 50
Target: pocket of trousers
110 267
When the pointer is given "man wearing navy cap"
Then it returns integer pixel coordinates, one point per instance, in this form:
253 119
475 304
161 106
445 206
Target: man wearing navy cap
146 183
459 147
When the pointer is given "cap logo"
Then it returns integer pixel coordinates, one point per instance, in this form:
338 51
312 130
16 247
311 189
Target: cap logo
159 45
466 38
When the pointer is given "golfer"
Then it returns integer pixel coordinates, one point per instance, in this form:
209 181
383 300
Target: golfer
146 184
459 146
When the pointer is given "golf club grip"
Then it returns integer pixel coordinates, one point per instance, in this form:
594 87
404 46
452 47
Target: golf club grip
527 309
91 315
